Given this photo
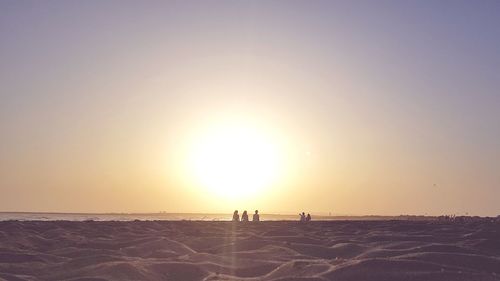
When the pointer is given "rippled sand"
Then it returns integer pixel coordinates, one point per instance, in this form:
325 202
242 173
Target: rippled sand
184 250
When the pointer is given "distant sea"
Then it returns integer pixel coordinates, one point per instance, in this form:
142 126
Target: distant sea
28 216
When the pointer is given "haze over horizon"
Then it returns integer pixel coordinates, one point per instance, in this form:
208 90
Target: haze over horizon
349 107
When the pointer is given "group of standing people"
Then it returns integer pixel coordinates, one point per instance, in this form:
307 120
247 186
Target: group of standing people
256 216
244 216
304 218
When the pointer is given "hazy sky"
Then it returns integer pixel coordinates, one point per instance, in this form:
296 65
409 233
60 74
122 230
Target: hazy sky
376 107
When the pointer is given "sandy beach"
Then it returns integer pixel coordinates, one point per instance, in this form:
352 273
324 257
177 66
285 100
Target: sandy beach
281 250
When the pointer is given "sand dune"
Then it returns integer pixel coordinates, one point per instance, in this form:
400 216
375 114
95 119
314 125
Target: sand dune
183 250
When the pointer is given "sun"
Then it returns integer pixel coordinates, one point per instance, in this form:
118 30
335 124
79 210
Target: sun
234 161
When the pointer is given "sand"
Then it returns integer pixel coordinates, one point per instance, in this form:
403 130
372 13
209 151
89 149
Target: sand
189 250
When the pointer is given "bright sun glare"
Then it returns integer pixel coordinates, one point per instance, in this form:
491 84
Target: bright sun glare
235 162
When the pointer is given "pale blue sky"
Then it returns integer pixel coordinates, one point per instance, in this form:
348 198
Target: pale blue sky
400 100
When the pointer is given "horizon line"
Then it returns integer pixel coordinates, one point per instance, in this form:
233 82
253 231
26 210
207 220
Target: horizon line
220 213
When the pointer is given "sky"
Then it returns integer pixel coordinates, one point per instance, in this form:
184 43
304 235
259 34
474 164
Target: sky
342 107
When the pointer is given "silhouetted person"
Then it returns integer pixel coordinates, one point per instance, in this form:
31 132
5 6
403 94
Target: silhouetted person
302 217
244 216
308 218
256 216
236 216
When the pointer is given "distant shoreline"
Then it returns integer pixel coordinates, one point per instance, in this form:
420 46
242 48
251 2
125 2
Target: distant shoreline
164 216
